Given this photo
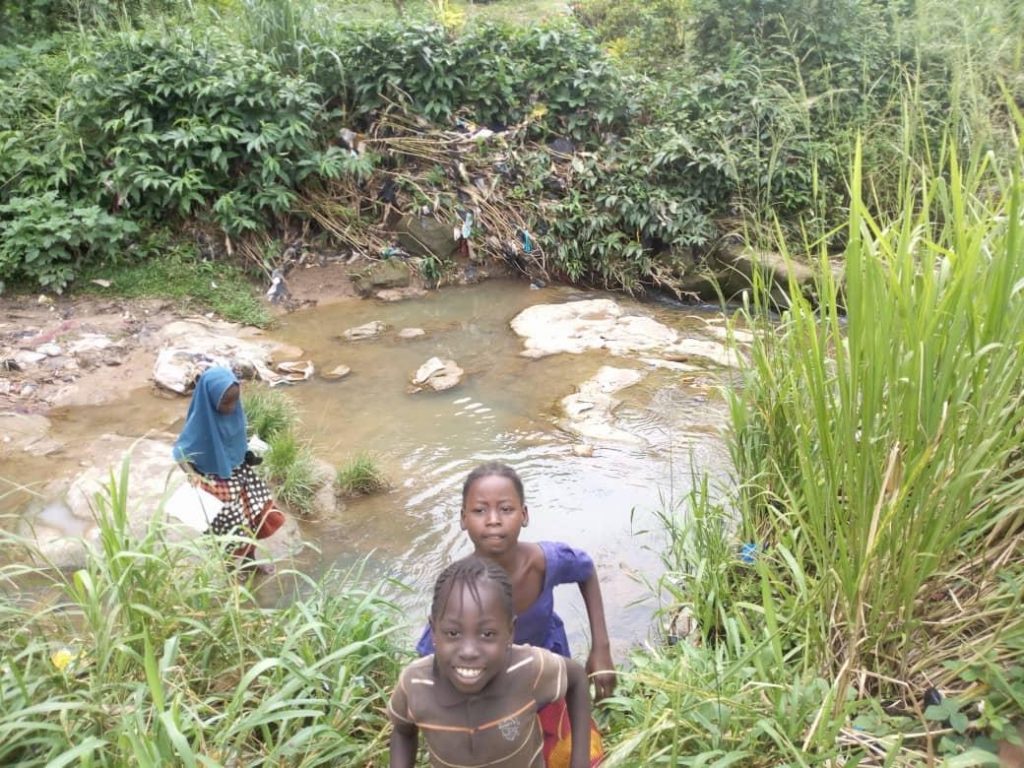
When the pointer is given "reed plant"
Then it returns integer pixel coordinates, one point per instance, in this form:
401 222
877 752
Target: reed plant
155 653
869 552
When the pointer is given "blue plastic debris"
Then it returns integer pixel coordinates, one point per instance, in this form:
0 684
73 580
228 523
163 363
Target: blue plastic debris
527 242
748 552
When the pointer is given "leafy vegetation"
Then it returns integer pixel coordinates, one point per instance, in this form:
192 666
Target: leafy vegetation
155 654
856 594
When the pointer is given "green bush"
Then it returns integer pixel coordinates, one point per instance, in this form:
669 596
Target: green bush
491 74
44 239
648 34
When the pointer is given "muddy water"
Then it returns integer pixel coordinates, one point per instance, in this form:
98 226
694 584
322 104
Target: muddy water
507 409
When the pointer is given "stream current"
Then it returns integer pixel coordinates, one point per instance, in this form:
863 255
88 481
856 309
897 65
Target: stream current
507 408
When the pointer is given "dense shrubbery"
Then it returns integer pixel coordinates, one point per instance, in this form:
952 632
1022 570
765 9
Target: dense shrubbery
751 109
494 75
140 128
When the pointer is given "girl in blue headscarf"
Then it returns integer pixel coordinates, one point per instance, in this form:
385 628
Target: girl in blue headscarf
212 449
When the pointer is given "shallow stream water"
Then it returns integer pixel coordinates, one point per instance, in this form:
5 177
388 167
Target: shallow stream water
507 408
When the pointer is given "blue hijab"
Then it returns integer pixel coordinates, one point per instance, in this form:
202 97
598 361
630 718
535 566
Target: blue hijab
213 441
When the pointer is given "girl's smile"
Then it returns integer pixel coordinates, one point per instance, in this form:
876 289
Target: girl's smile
472 636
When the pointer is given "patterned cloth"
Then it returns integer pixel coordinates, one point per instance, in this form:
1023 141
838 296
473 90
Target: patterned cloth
497 727
247 499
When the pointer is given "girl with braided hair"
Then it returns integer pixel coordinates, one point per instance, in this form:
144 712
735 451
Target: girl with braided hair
494 512
475 699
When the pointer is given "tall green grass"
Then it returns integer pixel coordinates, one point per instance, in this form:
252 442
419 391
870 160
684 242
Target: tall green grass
154 654
879 485
878 435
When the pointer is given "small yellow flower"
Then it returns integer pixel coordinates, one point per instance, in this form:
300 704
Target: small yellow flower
63 657
538 111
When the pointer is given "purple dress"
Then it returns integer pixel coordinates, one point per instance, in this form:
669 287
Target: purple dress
539 625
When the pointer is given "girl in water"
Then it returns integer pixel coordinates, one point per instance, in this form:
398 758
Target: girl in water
212 449
494 512
476 698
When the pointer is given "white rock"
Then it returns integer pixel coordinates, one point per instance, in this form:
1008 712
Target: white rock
337 372
192 346
411 333
26 359
437 374
91 342
594 324
366 331
590 412
50 350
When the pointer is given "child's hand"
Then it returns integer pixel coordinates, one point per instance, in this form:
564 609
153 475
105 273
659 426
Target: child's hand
601 670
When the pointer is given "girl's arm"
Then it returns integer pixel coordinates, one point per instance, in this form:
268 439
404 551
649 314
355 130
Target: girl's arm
404 737
577 701
599 664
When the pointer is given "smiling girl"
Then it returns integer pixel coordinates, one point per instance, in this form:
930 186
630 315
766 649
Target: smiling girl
476 698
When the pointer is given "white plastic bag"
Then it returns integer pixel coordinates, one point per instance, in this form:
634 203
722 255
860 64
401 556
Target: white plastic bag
193 506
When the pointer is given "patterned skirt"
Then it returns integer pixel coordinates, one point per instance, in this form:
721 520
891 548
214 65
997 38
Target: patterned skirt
247 500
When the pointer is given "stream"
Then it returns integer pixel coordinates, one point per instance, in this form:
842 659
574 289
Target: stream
507 408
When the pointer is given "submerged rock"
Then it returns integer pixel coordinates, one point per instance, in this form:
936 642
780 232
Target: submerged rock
411 333
400 294
590 411
337 372
26 432
595 324
436 374
366 331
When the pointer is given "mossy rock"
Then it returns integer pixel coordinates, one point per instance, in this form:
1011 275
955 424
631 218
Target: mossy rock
425 236
390 273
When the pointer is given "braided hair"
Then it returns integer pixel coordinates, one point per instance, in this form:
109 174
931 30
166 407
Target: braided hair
469 572
494 468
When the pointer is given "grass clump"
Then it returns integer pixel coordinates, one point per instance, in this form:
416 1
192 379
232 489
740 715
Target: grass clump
289 465
361 475
194 284
157 655
268 412
869 550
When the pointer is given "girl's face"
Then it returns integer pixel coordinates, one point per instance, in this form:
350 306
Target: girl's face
229 400
472 636
493 514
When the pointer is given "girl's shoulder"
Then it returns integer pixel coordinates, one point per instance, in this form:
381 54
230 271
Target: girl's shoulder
532 553
565 563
